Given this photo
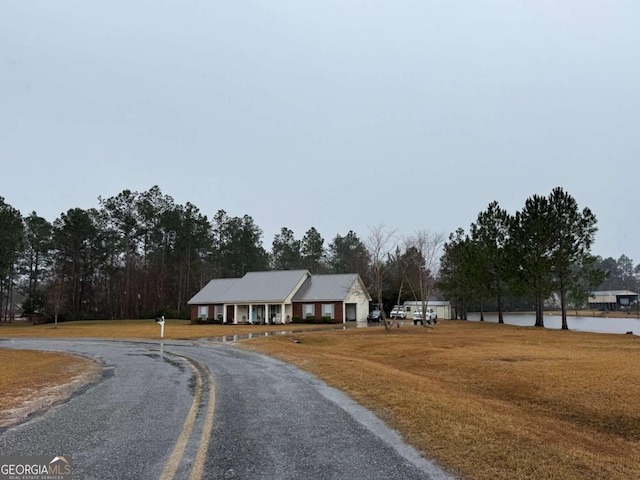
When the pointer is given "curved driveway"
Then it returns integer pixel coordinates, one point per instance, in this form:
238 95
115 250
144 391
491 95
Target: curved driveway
193 410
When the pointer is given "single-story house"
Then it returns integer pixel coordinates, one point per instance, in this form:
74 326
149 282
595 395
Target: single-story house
279 296
441 307
612 300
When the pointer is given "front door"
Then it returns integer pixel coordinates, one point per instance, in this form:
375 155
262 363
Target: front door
274 314
352 312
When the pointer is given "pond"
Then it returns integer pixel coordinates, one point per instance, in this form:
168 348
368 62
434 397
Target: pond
597 323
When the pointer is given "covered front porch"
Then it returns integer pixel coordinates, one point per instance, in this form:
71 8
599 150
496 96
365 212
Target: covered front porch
257 313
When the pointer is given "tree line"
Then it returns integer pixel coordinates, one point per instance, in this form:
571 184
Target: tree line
141 255
542 250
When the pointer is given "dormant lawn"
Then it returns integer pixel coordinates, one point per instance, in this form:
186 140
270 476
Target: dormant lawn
486 401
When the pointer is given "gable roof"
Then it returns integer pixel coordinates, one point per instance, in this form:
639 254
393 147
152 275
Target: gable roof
254 287
216 288
327 288
613 292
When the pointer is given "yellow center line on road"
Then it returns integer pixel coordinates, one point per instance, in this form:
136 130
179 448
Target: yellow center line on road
178 451
198 466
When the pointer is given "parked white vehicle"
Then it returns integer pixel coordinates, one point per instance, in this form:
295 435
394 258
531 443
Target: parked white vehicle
429 316
398 312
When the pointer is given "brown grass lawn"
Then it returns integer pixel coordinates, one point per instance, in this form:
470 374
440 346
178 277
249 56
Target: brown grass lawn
491 401
487 401
33 380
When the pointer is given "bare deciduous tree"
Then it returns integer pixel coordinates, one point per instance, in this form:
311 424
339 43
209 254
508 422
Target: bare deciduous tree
380 244
421 277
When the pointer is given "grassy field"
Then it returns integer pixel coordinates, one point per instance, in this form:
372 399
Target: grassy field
486 401
491 401
33 380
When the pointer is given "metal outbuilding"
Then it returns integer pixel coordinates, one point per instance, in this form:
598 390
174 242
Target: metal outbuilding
441 307
612 300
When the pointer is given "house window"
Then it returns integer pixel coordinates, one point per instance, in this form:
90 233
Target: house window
308 310
327 310
203 311
218 312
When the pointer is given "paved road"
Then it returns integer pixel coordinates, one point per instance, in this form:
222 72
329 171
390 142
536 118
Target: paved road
204 410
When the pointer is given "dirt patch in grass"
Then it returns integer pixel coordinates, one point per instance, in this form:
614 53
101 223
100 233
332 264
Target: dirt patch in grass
490 401
33 381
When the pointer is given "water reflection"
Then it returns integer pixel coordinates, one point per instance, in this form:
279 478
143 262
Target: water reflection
248 336
596 324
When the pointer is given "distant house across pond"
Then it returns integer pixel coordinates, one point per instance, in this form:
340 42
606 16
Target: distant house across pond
612 300
281 297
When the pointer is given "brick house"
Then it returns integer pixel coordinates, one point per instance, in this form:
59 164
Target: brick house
279 296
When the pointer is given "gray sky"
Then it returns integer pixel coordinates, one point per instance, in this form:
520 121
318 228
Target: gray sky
340 114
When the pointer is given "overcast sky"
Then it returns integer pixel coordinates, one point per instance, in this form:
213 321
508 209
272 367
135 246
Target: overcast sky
338 115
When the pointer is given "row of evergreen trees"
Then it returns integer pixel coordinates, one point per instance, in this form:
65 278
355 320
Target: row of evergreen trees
141 255
543 249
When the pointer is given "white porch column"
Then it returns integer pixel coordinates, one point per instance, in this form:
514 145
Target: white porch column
235 313
344 312
266 313
283 310
224 313
250 313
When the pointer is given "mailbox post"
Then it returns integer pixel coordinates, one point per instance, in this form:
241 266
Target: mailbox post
160 321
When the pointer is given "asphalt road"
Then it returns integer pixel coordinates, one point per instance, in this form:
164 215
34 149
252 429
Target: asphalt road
192 410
